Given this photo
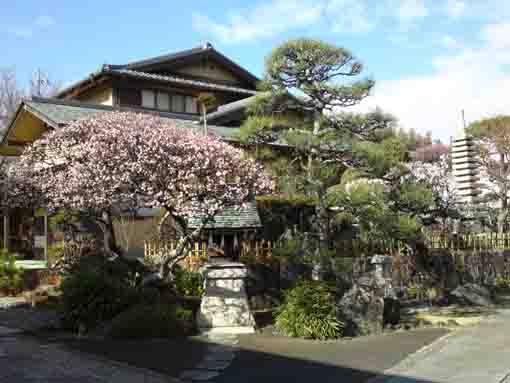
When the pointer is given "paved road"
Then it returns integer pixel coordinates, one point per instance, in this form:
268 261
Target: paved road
268 359
478 354
27 360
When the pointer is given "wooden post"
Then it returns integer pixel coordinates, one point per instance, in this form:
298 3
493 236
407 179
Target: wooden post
6 229
45 236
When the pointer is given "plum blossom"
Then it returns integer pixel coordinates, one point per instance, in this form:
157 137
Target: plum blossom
128 160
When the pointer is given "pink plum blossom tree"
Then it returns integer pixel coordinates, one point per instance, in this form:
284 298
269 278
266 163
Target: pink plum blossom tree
122 160
438 176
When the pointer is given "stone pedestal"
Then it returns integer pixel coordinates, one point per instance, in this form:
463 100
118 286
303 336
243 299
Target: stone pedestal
224 307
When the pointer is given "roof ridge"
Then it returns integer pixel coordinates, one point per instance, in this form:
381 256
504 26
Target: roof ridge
166 56
207 47
156 76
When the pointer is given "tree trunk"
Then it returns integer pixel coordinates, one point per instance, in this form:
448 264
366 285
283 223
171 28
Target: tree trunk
160 224
170 260
109 243
204 114
502 218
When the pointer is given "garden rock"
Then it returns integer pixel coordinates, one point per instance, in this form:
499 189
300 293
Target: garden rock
362 308
471 294
391 313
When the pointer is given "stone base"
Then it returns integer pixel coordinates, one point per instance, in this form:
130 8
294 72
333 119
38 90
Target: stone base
227 330
225 304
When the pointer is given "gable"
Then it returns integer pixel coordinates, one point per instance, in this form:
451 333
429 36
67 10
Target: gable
98 95
201 63
29 127
209 70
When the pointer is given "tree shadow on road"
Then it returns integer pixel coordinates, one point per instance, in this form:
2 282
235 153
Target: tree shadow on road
327 362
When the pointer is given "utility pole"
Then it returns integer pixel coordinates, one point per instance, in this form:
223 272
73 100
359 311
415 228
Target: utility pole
39 81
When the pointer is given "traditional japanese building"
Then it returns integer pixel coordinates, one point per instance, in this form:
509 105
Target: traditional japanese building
168 86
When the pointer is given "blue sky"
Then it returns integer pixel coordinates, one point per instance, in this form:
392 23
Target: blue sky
430 58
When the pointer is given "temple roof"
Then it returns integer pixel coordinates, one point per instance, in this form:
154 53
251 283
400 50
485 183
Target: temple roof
232 218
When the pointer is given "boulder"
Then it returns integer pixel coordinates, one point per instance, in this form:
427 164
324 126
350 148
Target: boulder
371 303
362 309
471 294
391 313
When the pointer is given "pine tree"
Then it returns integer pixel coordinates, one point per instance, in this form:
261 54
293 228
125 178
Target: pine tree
330 152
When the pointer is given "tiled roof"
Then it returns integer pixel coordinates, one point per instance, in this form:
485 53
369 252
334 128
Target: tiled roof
227 109
59 112
173 59
180 80
233 218
162 58
205 50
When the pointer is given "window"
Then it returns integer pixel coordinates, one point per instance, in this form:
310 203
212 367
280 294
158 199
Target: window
178 104
163 101
191 105
148 99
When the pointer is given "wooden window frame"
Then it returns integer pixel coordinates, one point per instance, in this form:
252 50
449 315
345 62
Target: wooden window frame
158 93
171 95
154 93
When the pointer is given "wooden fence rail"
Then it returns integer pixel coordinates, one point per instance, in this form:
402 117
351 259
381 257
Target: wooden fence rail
354 248
471 241
200 251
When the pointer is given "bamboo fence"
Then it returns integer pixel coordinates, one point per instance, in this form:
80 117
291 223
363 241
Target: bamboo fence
354 248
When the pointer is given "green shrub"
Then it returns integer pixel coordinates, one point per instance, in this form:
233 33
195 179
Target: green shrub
11 276
55 252
96 290
188 283
253 259
288 250
152 321
279 212
343 264
67 256
310 311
